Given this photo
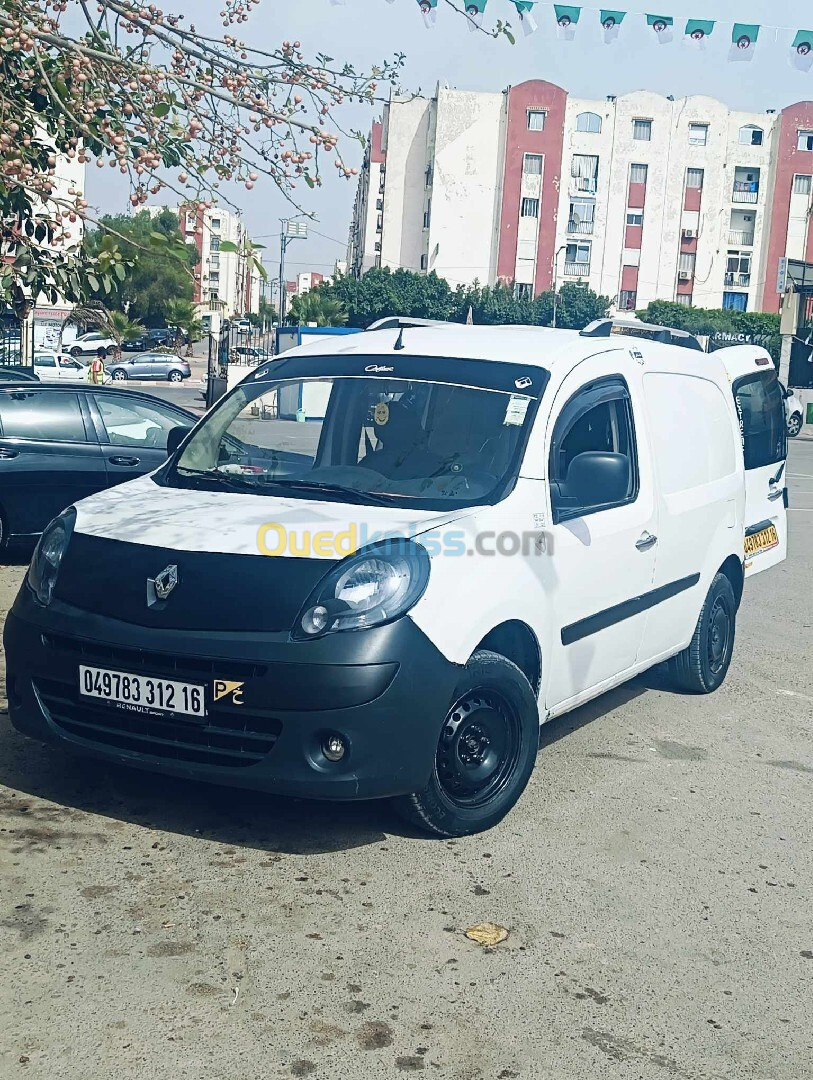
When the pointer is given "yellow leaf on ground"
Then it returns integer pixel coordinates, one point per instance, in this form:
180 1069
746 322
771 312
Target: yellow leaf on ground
487 933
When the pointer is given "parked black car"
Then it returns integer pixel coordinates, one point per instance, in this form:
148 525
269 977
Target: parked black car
13 375
59 444
158 337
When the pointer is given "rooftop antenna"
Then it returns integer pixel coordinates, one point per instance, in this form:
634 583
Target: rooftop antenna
399 344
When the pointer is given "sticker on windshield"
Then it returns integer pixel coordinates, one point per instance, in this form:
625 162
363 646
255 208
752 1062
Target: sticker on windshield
516 409
381 413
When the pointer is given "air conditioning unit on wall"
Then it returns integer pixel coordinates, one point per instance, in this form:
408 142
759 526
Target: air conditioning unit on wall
684 275
689 234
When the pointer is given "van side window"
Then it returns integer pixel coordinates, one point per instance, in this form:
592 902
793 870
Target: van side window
595 429
761 412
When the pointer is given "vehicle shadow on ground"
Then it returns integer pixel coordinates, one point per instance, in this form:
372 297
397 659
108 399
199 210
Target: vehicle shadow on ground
228 815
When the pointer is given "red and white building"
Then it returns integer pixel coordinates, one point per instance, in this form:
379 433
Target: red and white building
641 197
225 281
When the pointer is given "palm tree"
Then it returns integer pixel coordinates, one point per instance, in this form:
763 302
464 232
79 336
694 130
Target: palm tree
184 315
123 329
313 307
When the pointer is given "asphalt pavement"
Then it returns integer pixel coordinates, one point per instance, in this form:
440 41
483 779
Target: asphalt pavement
656 882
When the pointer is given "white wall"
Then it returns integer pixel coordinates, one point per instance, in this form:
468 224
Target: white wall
406 134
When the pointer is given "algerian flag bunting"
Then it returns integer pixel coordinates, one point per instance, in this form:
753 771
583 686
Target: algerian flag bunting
662 26
567 18
475 10
743 42
698 32
525 13
429 10
801 50
611 24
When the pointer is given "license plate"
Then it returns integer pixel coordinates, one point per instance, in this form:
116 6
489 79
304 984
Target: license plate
142 693
761 541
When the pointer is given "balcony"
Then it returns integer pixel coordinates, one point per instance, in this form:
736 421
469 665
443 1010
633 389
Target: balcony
584 185
577 269
741 238
745 191
738 281
581 228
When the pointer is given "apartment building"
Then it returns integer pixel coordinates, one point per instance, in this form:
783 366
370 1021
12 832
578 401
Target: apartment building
225 281
641 197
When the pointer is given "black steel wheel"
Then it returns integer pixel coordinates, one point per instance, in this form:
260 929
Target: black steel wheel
703 666
485 753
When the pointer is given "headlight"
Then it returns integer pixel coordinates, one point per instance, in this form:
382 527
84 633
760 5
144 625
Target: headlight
48 554
369 588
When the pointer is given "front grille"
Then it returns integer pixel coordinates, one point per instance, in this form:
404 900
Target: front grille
139 660
228 740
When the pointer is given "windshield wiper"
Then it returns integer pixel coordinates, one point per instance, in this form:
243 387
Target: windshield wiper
229 480
378 498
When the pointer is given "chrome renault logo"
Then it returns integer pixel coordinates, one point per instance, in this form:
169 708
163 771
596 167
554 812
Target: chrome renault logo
159 587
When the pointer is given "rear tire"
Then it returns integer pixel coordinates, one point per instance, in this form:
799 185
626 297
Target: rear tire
118 375
175 376
703 666
485 754
794 425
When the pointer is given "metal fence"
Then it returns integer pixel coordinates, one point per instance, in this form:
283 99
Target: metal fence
12 341
235 348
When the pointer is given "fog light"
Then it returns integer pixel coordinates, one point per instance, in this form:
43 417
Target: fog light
315 620
334 747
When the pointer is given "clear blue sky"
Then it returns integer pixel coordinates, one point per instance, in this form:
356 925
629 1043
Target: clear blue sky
363 32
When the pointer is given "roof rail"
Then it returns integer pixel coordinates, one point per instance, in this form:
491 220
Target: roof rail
398 322
634 328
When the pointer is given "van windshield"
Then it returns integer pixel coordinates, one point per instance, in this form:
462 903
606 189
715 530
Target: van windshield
370 440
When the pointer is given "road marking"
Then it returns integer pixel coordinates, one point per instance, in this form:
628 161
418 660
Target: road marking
800 510
801 475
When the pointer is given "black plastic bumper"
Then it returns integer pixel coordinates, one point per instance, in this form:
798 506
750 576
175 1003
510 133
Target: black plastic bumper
385 691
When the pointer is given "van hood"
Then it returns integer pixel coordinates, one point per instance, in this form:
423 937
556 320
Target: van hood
143 512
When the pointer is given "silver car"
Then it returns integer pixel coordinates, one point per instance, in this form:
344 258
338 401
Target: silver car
150 365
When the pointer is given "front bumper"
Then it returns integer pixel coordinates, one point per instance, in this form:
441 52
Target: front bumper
385 691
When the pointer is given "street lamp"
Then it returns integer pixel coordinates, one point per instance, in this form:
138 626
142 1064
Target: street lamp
556 282
291 229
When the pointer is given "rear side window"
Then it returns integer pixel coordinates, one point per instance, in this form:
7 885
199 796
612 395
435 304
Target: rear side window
597 419
46 417
761 412
131 422
692 434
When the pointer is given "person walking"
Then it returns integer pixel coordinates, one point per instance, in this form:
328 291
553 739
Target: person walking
96 369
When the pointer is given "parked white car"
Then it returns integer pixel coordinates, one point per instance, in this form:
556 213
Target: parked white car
793 412
88 344
50 366
375 570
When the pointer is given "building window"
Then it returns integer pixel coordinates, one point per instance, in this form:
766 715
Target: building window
214 296
694 178
427 214
379 223
522 290
424 262
584 171
802 184
751 135
698 134
635 217
214 243
627 300
686 264
642 130
577 260
638 174
536 119
735 301
805 140
582 215
378 246
214 223
532 164
379 204
589 121
684 299
214 262
428 181
530 207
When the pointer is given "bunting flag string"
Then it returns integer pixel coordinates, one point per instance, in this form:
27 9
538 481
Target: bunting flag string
569 21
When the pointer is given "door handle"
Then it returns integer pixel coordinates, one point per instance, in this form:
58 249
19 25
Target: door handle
128 462
646 542
7 454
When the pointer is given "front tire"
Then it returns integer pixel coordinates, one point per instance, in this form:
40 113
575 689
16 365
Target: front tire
794 425
119 376
485 754
175 376
702 668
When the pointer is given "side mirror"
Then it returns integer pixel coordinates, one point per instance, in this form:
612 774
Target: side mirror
175 437
598 478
